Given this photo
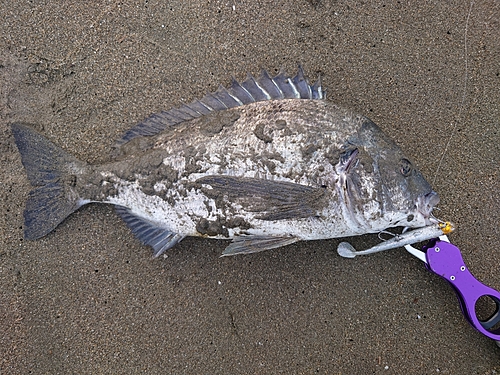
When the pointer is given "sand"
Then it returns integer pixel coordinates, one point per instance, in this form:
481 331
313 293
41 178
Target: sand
89 299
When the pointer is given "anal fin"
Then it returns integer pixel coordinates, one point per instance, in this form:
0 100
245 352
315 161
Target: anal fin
248 244
148 232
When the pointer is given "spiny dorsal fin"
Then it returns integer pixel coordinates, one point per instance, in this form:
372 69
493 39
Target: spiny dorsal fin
249 91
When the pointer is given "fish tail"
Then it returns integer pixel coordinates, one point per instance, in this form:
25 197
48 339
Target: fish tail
53 174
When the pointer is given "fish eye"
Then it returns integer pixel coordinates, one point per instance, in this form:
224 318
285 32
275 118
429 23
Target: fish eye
410 218
405 167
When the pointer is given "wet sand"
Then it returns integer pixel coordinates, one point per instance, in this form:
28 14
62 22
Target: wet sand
88 298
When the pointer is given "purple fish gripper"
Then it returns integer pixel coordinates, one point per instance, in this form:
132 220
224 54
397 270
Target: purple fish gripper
445 260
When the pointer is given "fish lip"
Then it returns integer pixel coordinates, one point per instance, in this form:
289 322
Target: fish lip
425 205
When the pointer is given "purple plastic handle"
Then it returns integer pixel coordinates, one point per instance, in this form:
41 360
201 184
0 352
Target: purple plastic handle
445 260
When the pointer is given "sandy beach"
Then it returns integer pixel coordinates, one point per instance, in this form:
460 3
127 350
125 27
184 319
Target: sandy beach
89 299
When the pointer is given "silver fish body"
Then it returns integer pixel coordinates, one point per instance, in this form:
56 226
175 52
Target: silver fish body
261 167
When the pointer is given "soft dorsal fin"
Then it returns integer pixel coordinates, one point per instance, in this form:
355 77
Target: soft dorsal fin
249 91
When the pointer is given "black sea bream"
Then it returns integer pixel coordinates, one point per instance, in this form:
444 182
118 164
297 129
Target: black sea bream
266 162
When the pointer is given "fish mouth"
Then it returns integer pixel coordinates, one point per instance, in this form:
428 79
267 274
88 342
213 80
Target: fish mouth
425 205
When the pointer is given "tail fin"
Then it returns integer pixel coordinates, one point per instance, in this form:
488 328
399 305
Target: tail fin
52 173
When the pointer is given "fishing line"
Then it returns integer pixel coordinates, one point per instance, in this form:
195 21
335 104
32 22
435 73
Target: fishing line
466 76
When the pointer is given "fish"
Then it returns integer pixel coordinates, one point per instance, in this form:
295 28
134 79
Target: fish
265 162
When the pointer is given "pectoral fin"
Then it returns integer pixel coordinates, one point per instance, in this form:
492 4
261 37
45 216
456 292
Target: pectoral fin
253 244
271 200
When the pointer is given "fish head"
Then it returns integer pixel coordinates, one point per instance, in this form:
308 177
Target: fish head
384 186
